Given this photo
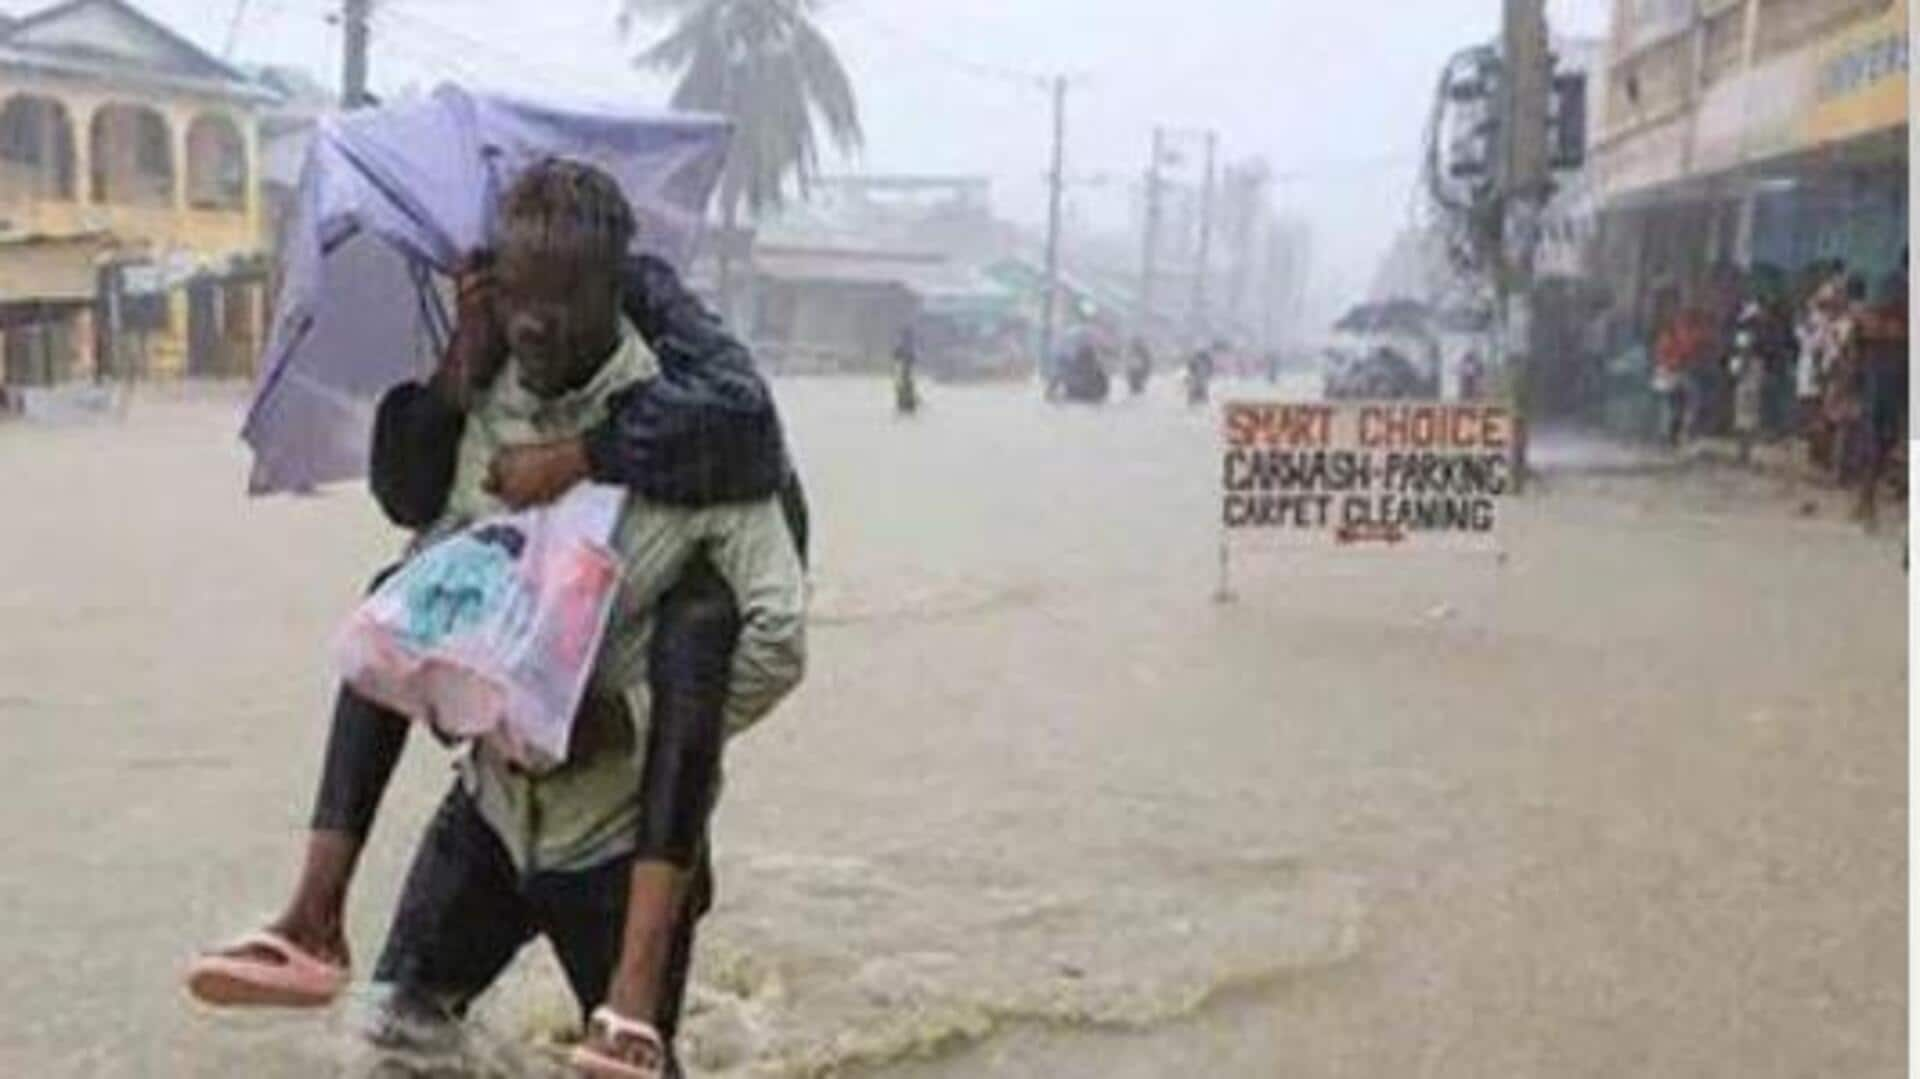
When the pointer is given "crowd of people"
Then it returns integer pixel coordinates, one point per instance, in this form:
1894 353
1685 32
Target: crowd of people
1821 361
1083 368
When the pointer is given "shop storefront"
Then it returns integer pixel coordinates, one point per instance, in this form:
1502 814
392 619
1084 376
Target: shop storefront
1789 153
1842 192
1798 156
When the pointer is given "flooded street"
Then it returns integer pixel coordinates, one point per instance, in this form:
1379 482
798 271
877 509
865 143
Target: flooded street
1630 804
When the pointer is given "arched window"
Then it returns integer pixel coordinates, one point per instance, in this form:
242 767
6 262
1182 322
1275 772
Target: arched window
36 149
132 149
217 173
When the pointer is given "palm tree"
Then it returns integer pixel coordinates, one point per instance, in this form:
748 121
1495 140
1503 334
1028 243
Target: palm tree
765 65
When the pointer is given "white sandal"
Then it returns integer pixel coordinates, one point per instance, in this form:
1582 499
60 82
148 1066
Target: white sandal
623 1036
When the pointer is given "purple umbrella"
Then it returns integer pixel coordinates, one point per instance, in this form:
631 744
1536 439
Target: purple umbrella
391 196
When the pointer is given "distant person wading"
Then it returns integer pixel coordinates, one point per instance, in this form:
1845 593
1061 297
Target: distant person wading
1200 375
906 388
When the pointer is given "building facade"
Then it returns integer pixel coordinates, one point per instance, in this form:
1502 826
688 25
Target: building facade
131 222
1743 133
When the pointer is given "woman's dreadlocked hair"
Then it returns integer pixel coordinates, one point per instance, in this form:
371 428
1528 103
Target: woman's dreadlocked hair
570 209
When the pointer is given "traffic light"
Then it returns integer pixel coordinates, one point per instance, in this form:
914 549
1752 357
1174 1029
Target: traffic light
1474 86
1567 122
1473 152
1473 96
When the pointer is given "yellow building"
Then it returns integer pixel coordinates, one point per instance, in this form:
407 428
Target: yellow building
1750 132
130 211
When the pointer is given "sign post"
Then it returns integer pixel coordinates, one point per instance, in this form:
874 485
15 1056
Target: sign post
1223 591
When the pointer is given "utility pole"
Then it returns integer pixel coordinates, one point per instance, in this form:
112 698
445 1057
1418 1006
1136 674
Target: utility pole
1271 276
1526 181
1150 256
1056 180
1199 313
353 76
1246 188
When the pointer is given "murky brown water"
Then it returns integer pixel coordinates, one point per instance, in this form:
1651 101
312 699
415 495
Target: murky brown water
1631 805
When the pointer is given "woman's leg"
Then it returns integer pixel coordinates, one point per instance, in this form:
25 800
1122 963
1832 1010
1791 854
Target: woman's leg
587 917
692 655
673 986
670 882
364 743
363 746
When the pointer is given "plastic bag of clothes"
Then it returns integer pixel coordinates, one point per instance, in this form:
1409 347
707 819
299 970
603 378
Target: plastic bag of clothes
491 633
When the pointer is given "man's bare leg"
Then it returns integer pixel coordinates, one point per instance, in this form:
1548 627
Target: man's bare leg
689 664
656 901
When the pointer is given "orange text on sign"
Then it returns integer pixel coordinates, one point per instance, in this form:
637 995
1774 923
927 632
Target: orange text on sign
1435 427
1289 426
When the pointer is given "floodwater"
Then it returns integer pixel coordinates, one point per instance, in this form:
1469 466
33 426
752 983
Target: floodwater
1630 803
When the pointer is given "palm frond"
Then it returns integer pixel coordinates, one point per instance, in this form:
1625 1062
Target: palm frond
633 14
769 68
700 31
827 86
643 10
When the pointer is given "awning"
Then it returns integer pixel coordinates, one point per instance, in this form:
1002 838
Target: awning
52 269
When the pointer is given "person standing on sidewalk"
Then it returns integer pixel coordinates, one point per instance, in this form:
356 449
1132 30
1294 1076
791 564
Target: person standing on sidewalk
1677 354
1748 366
1884 341
1814 331
1843 397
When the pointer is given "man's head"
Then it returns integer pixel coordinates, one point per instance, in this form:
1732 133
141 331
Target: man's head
1831 296
565 229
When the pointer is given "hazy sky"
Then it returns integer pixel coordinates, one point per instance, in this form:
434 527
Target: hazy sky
1331 90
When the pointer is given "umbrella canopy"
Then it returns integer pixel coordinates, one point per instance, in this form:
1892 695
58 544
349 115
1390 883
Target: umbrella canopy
391 196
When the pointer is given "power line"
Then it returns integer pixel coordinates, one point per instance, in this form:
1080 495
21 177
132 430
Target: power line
233 28
255 17
441 63
318 9
1328 170
1025 80
405 22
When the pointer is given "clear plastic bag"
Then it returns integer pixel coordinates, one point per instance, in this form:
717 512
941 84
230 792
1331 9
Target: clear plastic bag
492 632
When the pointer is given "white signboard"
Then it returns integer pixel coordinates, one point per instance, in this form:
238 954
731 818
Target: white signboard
1346 475
152 278
143 280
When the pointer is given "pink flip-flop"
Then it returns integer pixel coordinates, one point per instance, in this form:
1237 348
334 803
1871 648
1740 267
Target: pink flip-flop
294 978
624 1035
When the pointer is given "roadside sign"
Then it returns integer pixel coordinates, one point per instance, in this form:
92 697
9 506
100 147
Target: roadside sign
1366 474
